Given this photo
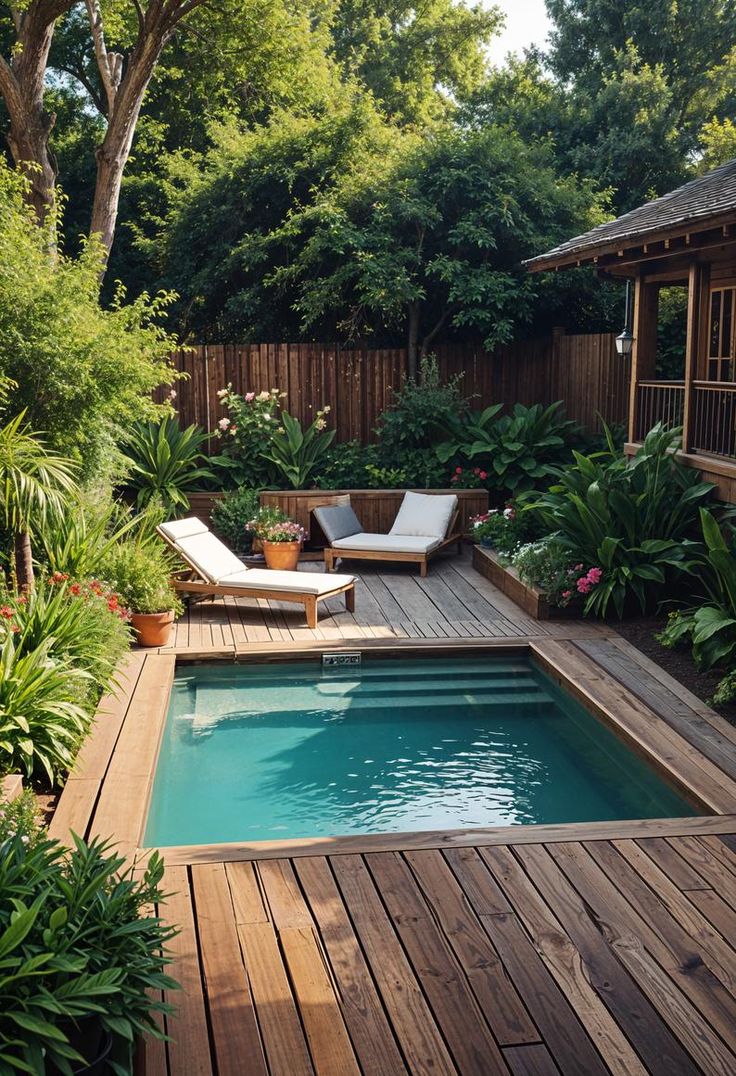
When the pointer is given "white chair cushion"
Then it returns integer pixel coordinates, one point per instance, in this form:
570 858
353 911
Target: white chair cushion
387 543
425 514
296 582
210 556
183 528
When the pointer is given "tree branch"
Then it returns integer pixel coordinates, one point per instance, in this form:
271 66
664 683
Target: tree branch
110 64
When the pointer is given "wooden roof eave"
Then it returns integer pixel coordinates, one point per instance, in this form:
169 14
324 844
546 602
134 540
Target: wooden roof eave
688 237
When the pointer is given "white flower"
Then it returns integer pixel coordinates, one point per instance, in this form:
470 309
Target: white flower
267 418
326 410
221 393
508 513
224 423
262 396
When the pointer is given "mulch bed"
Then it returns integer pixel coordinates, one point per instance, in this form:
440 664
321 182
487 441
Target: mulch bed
678 663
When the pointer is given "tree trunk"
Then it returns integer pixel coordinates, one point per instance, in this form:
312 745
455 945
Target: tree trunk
413 339
23 561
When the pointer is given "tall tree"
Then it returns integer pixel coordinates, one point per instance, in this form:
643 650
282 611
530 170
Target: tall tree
127 42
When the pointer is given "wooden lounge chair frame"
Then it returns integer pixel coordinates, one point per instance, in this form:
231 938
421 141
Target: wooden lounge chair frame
422 559
190 582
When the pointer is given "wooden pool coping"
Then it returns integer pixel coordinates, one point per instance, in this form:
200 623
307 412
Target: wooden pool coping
108 792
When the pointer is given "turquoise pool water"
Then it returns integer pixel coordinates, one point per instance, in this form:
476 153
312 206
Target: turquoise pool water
263 752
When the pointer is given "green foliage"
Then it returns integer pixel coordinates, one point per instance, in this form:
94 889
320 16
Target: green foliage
504 529
265 519
83 624
246 433
297 454
76 537
41 719
518 451
82 373
230 516
711 625
547 565
19 819
421 410
164 463
635 519
140 573
79 942
349 465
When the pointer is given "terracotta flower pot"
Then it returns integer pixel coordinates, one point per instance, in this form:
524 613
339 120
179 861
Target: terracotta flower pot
152 629
282 555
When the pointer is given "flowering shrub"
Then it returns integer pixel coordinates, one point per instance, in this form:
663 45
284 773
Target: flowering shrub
84 623
464 478
246 433
545 564
499 529
141 574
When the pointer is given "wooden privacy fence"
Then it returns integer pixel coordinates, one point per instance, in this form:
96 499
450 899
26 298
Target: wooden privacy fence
358 383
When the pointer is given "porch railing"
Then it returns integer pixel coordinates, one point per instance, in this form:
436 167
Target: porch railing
713 418
658 401
712 413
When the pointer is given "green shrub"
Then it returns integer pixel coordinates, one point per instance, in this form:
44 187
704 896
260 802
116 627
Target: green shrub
165 463
42 716
141 575
80 945
421 412
19 819
246 433
635 519
348 465
231 515
82 372
547 565
504 530
711 625
296 453
76 539
84 624
517 452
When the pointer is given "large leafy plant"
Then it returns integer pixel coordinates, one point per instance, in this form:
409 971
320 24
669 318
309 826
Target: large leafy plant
519 451
421 411
635 519
296 453
42 718
79 943
711 625
165 462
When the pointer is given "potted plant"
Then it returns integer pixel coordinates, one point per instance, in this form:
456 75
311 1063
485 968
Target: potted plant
141 574
280 538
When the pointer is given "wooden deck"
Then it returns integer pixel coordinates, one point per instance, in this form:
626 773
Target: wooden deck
537 950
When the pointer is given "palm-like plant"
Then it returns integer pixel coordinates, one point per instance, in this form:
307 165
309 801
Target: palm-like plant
165 462
297 453
33 479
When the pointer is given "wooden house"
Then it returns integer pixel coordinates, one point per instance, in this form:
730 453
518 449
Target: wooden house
686 239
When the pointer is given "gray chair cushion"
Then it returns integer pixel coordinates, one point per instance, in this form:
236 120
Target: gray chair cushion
337 521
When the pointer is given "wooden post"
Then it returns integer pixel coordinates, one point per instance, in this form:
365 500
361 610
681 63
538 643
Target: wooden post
644 347
697 320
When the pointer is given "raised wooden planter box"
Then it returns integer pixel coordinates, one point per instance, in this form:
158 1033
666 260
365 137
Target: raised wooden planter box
529 598
11 787
375 508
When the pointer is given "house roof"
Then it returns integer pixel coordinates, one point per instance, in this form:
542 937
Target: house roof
708 196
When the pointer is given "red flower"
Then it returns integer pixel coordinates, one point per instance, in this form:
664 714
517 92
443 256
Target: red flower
483 475
75 589
59 577
458 470
6 612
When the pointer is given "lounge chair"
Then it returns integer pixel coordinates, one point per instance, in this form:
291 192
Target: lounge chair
426 524
214 570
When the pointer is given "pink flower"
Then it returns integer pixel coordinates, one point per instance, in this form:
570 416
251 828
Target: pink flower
458 470
578 567
224 423
483 475
250 397
567 594
583 585
594 575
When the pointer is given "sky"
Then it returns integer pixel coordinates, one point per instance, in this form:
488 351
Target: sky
526 24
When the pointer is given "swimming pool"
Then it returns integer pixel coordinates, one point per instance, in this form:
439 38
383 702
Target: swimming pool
290 750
